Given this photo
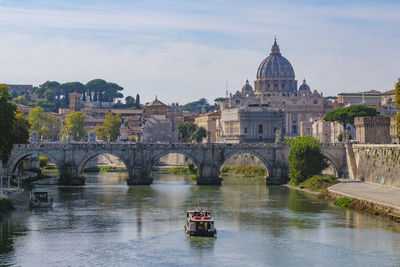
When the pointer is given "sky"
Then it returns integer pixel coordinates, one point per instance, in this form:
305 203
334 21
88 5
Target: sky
184 50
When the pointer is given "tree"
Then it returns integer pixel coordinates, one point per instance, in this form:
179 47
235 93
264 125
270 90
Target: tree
305 158
37 120
137 103
130 101
186 130
198 134
49 95
346 115
98 86
218 100
52 127
71 87
197 106
20 130
13 124
110 128
397 96
397 100
74 124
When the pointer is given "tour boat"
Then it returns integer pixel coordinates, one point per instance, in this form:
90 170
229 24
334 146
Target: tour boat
40 200
199 223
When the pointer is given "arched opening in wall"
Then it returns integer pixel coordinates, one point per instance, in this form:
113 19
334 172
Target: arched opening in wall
174 167
35 167
331 169
104 168
244 165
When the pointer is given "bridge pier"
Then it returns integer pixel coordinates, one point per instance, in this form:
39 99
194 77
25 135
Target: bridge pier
139 176
209 175
69 176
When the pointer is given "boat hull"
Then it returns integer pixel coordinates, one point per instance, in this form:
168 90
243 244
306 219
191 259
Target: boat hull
200 233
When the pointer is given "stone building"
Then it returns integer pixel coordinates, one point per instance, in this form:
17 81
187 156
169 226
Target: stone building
369 98
209 122
373 130
254 123
75 101
160 122
276 87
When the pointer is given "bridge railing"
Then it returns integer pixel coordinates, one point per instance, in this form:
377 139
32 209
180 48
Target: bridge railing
121 145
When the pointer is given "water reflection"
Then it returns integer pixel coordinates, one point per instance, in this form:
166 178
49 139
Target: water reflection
108 222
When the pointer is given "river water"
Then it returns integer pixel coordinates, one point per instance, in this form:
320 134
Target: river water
107 223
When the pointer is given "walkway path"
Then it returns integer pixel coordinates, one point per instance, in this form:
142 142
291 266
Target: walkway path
380 194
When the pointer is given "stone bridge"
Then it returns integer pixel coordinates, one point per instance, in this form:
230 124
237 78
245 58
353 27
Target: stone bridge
139 159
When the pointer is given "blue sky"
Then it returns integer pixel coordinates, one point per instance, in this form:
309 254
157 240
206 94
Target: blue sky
184 50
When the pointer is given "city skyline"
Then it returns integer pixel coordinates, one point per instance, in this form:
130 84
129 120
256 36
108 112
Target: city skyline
184 51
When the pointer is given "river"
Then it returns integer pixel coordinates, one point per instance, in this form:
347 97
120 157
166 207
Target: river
107 223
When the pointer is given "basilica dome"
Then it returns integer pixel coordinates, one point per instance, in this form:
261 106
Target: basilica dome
275 65
304 86
247 87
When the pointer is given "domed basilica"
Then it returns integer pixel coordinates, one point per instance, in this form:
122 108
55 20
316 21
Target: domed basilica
275 88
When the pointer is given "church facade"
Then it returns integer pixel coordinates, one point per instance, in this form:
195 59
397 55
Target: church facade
275 88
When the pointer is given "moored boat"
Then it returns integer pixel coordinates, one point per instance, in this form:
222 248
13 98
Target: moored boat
40 200
199 223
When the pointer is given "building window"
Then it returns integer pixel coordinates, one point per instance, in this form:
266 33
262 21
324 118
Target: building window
245 130
315 101
260 128
237 102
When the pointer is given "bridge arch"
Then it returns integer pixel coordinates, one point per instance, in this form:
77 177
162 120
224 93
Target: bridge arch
268 165
156 157
94 154
332 161
14 160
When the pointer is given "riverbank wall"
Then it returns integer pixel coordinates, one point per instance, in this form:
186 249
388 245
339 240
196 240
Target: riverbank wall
378 164
370 198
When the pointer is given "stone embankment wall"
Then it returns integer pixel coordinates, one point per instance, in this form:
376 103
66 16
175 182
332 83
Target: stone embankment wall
378 164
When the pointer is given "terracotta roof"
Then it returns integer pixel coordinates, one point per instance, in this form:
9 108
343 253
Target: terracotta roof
156 102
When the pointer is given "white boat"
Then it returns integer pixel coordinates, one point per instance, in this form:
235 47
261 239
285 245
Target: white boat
199 223
40 200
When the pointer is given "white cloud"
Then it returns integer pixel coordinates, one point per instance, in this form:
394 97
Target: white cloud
182 56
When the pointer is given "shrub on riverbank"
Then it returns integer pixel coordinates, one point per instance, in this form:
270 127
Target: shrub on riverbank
245 170
111 169
184 170
343 202
305 158
6 205
317 183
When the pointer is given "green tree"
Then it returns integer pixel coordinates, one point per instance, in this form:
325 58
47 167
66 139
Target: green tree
397 94
197 106
20 100
37 120
305 158
20 130
110 128
346 115
198 134
71 87
49 95
52 127
130 101
74 124
98 86
13 124
397 100
186 130
137 103
101 132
